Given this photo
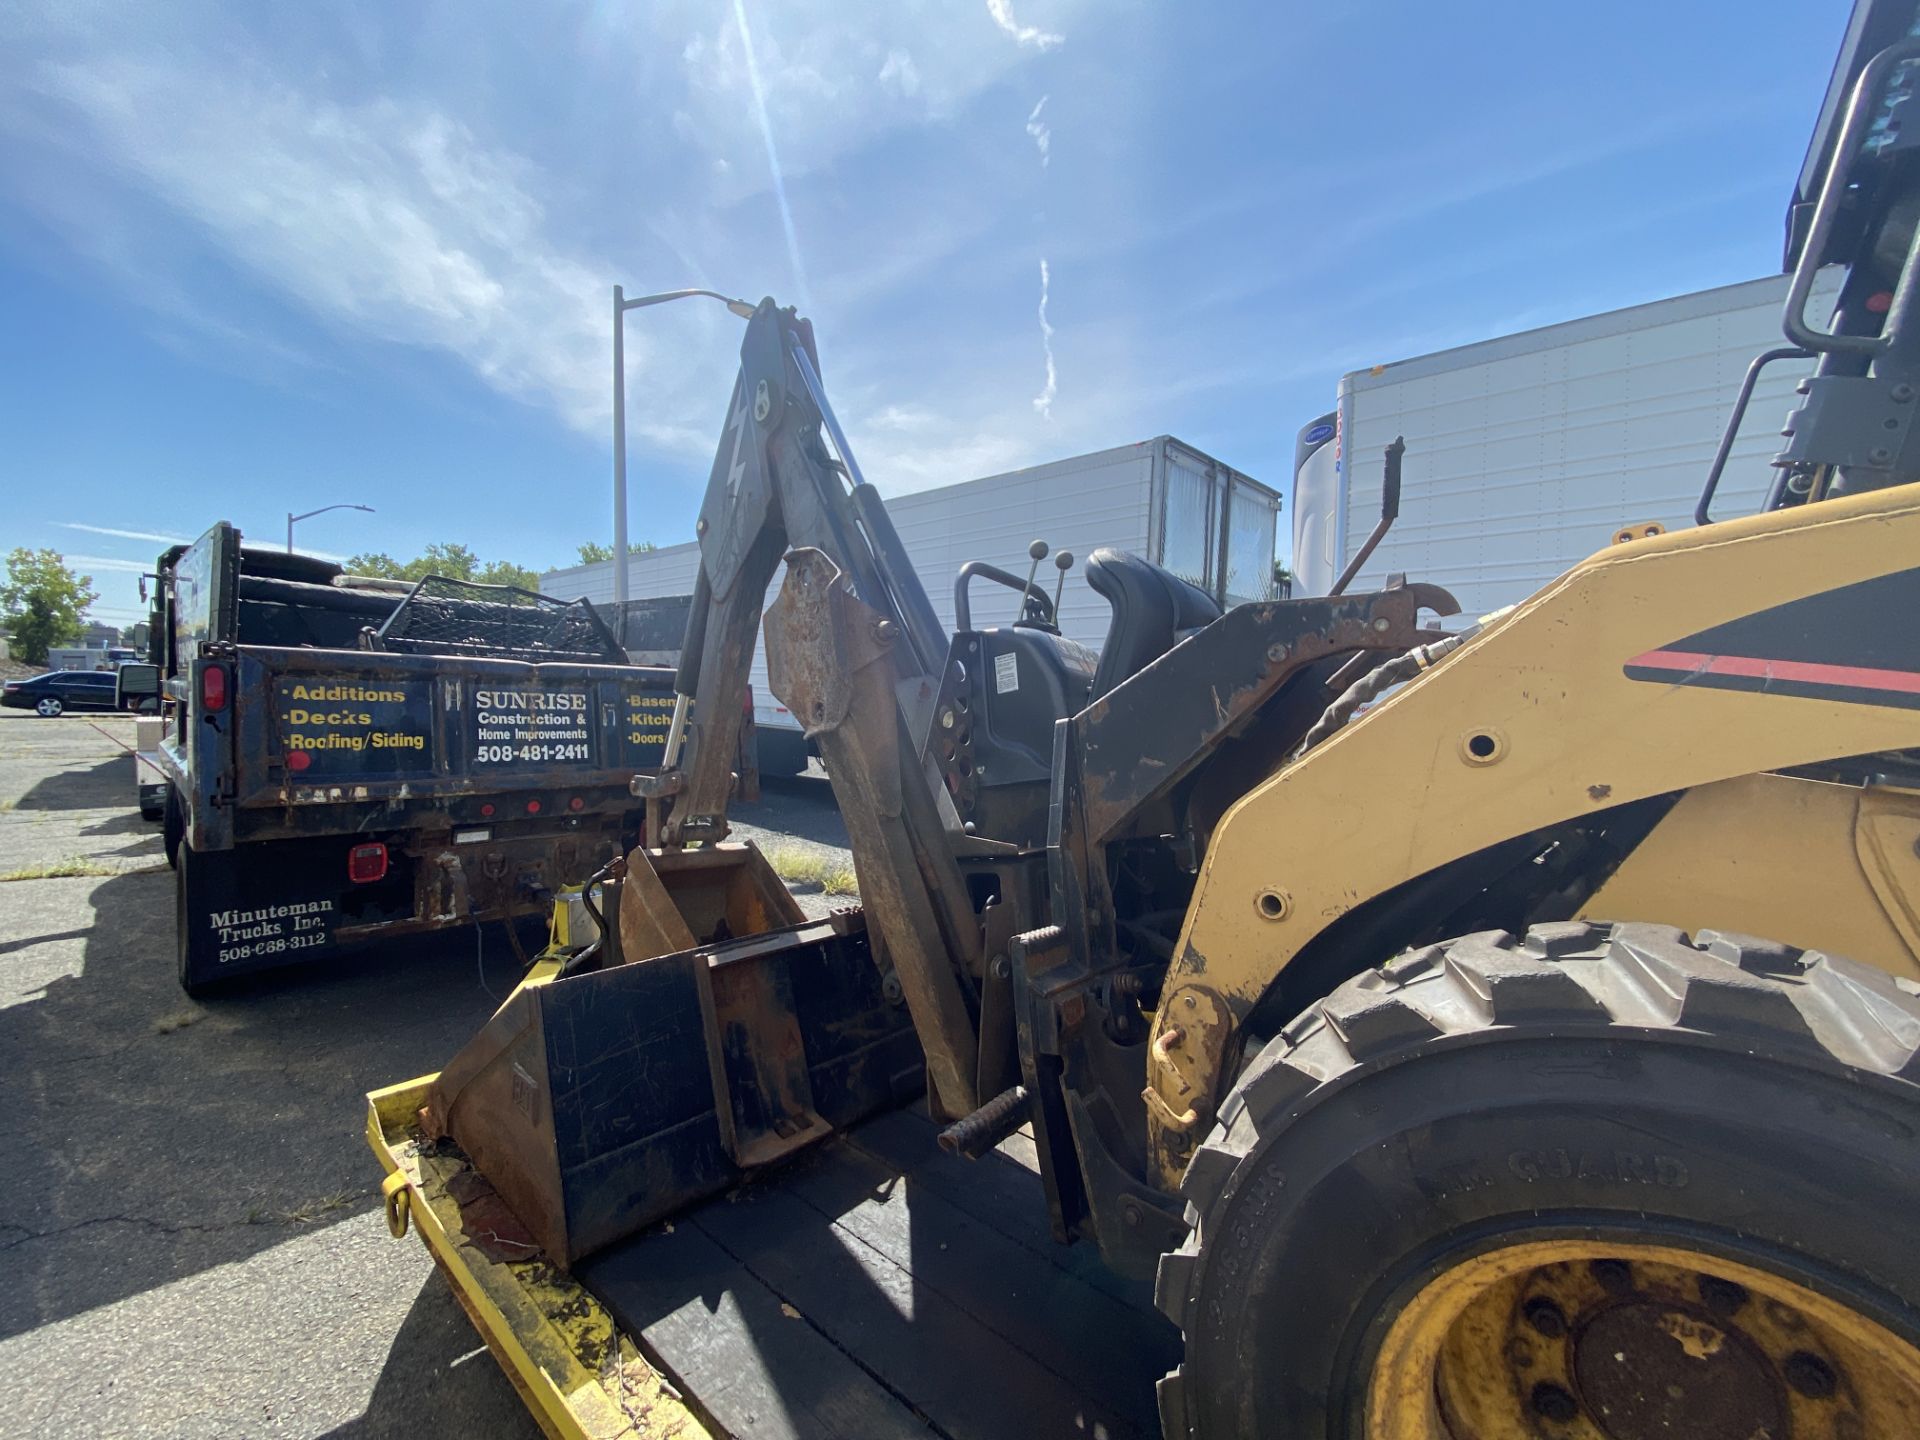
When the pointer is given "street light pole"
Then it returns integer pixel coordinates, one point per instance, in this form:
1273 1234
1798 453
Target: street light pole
291 517
620 307
677 727
620 462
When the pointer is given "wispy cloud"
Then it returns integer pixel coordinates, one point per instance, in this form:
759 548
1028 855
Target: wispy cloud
836 76
391 221
108 562
1027 35
161 537
1043 142
899 75
242 183
773 156
1042 135
1043 402
911 447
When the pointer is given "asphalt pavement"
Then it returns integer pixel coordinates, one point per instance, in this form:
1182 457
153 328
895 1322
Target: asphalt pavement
191 1241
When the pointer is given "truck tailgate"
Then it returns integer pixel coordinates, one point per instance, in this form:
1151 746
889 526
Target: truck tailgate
323 726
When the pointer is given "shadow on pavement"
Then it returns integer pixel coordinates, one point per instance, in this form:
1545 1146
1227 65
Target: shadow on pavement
101 785
131 823
148 1137
27 942
439 1379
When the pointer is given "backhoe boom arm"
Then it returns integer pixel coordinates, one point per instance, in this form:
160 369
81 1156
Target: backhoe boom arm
864 697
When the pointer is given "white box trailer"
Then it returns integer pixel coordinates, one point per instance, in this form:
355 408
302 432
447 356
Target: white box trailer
1526 453
1161 499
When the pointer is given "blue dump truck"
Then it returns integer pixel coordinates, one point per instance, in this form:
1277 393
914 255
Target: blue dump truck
349 759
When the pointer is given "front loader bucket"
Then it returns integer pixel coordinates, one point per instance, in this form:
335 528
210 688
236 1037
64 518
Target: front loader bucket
734 1032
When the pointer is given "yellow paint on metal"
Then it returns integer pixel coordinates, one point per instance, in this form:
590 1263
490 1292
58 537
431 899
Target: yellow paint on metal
579 1375
1822 866
1638 530
1887 843
1472 1356
395 1196
1396 793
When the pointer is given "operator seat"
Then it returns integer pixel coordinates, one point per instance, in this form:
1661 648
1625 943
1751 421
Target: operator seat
1153 610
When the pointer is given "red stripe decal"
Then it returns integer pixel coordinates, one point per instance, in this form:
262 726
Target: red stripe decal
1808 672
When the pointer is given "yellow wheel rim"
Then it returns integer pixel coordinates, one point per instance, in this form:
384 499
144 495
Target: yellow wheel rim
1579 1340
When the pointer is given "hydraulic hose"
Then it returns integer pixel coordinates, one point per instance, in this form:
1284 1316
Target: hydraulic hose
1376 682
611 875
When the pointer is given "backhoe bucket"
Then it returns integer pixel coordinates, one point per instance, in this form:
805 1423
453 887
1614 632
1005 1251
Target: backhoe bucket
732 1032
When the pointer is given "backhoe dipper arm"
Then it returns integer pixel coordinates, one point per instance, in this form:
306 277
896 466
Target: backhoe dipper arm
868 645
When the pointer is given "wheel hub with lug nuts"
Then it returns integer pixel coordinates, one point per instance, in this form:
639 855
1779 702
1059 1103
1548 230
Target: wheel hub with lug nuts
1580 1341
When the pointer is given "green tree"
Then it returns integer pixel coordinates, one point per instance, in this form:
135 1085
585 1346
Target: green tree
42 603
456 562
593 552
505 572
1282 579
374 562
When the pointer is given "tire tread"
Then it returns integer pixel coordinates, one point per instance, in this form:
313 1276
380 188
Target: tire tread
1566 976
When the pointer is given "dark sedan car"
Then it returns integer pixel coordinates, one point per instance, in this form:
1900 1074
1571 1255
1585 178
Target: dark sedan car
61 690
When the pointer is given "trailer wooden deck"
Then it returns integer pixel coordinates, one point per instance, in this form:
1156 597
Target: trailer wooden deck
877 1287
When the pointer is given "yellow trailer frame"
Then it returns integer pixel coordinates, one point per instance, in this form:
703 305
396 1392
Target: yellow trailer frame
578 1374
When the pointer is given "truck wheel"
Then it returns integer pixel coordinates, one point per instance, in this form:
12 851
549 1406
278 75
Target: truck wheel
1599 1181
173 826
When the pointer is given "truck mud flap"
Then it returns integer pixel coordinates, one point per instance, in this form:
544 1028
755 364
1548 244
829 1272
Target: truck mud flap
598 1104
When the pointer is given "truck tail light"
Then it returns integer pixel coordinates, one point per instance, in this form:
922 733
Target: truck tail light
213 688
367 863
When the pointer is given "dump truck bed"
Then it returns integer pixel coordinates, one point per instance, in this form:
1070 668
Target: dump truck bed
872 1287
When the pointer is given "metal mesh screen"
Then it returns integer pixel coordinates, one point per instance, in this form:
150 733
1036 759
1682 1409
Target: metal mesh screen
459 617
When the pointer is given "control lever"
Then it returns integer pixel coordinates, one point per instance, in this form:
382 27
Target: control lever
1064 562
1389 512
1038 551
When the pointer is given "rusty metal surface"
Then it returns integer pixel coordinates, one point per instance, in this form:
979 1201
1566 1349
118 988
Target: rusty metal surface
758 1060
1162 754
829 662
650 923
598 1104
1146 734
773 484
487 1221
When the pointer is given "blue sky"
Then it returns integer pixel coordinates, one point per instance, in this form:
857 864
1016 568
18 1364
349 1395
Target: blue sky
261 258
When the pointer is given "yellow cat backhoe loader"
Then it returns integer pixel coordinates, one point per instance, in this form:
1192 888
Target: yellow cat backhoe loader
1454 1020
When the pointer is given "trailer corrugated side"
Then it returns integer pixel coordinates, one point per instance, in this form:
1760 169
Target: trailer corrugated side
1160 498
1526 453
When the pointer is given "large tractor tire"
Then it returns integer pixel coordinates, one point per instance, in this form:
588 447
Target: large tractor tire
1599 1183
